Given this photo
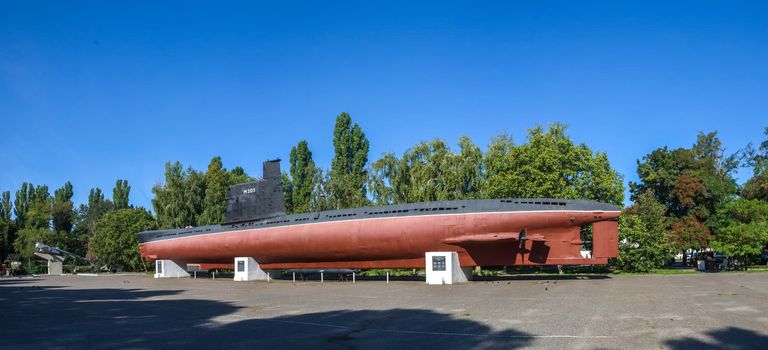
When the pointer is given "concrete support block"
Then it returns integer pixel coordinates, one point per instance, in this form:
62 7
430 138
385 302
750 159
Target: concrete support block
170 269
444 268
247 269
55 267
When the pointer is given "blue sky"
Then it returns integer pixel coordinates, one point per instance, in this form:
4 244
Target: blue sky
95 91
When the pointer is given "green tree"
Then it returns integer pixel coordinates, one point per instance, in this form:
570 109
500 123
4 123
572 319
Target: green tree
287 192
7 226
757 159
428 171
214 202
41 211
189 197
21 204
428 166
321 197
756 187
97 204
237 176
115 241
120 194
741 229
495 164
7 237
63 213
690 233
40 206
716 172
465 180
194 195
5 206
389 182
81 231
644 236
550 165
86 217
691 183
659 171
348 174
303 178
172 201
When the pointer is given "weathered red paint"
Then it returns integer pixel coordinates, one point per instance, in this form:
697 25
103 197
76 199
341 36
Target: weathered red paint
605 239
400 242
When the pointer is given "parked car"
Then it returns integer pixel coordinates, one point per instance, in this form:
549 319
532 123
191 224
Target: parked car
715 261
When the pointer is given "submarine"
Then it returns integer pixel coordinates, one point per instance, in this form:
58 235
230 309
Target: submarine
483 232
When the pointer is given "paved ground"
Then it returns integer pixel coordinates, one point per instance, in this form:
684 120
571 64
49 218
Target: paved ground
699 311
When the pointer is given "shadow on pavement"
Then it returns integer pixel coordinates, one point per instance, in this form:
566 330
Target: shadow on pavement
727 338
41 317
15 280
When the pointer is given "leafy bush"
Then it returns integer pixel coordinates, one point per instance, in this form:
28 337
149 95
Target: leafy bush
643 236
115 241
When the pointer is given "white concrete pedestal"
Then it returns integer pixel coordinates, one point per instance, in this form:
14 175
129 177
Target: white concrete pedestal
55 262
55 267
170 269
247 269
444 268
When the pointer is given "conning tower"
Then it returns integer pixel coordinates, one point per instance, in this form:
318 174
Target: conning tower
260 199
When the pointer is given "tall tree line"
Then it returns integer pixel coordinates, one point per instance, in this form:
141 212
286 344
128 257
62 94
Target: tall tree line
40 217
687 199
310 188
7 225
548 164
191 198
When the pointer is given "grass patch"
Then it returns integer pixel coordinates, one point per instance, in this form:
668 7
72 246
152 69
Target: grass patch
688 271
392 272
755 268
673 271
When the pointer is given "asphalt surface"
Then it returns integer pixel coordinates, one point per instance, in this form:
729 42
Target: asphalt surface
698 311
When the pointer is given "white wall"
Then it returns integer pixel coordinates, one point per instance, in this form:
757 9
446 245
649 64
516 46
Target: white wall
170 269
444 268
